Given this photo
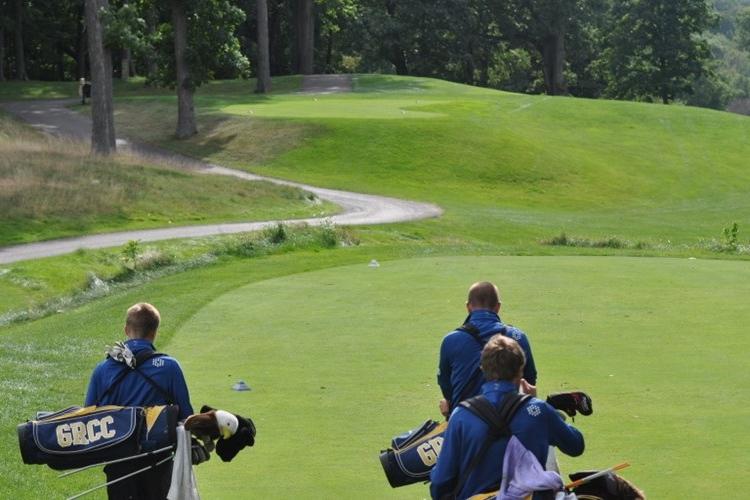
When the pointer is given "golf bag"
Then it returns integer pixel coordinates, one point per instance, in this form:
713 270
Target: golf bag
77 437
413 454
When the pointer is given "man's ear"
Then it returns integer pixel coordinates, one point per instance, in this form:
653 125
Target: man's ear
497 308
468 307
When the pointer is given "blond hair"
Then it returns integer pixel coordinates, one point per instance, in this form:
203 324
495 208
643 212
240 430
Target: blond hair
142 320
502 359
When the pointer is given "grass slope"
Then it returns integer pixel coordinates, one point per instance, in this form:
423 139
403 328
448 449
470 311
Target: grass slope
510 169
50 188
336 374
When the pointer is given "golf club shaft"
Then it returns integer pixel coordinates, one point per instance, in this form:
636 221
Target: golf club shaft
584 480
90 490
125 459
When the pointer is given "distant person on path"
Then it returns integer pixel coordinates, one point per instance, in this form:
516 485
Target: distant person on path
459 375
535 424
155 379
84 90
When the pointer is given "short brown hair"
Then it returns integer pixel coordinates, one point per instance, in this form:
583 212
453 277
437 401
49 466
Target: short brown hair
483 295
142 320
502 358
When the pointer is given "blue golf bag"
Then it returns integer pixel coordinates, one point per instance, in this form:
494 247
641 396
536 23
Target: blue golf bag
413 454
77 437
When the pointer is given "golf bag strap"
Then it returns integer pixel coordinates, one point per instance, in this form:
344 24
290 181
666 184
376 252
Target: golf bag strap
477 375
140 358
498 422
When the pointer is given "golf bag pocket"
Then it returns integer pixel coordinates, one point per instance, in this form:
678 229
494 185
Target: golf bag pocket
413 454
76 437
160 427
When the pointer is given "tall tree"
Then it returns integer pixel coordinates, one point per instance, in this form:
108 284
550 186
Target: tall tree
742 29
186 126
151 17
18 31
551 18
125 60
102 109
654 49
305 36
2 51
81 49
395 48
264 56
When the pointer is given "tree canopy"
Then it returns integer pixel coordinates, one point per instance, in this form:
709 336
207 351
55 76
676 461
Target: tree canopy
666 50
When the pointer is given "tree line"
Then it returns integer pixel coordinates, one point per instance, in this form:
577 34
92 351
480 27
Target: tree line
651 50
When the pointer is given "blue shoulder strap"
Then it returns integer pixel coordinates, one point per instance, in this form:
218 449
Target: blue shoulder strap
498 422
140 358
476 376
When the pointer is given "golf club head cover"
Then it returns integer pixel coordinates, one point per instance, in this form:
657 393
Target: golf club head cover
571 402
227 449
608 487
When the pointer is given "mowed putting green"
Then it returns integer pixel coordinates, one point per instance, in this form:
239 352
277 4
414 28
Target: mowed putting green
340 360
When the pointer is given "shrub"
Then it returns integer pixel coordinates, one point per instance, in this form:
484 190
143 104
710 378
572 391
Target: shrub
130 253
730 236
275 234
327 235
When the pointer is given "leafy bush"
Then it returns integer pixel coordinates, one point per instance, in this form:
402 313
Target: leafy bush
275 234
612 242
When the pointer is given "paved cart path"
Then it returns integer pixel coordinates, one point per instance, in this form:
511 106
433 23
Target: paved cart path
356 208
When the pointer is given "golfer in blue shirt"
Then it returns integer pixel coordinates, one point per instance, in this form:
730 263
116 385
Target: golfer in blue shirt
113 382
459 376
536 424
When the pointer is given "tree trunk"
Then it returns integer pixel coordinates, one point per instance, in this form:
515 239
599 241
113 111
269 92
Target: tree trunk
151 66
60 62
277 43
329 52
102 111
185 111
553 54
125 61
305 37
125 65
396 53
81 48
2 54
264 56
20 57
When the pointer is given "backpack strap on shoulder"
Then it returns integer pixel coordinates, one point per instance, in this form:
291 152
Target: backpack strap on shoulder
498 422
476 376
473 331
139 359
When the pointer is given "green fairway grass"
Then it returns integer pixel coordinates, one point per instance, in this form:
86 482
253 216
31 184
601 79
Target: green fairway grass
341 359
50 188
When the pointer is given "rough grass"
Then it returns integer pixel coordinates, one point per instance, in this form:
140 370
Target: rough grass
51 188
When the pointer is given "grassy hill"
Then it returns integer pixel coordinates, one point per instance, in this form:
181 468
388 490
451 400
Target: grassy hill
509 169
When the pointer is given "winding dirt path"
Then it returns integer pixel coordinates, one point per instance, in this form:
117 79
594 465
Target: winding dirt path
54 117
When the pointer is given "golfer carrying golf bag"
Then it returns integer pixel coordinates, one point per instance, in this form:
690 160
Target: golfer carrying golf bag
459 375
481 428
134 374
